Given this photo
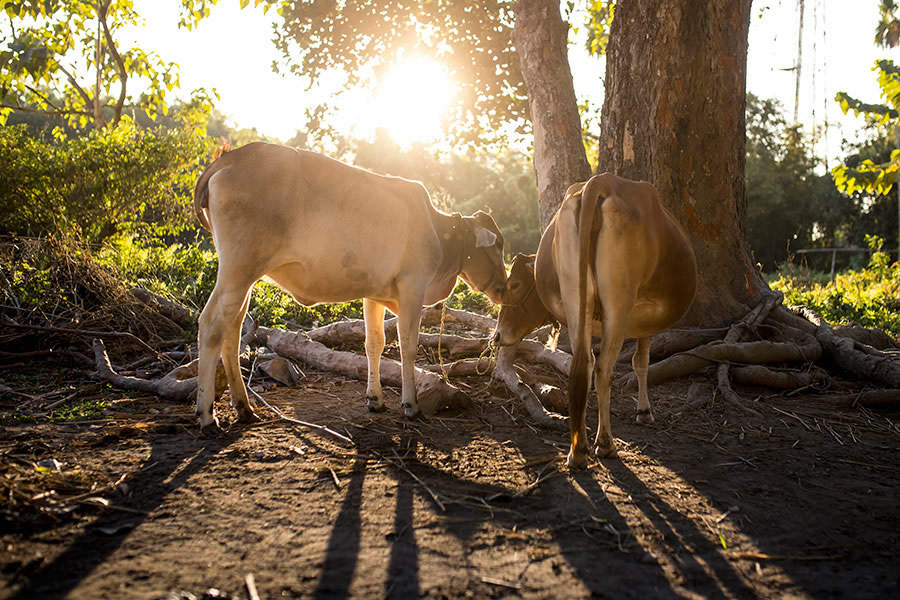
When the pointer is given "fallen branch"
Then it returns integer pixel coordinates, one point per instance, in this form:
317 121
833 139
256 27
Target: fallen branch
83 333
432 391
179 384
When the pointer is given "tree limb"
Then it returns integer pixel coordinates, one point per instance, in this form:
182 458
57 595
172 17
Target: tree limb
432 391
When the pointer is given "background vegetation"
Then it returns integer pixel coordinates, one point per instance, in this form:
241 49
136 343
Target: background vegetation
96 168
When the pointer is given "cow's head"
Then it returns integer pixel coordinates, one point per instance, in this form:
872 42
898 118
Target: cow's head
483 267
521 311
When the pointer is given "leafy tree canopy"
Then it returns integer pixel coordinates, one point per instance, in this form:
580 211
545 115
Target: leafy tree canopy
868 175
361 40
63 58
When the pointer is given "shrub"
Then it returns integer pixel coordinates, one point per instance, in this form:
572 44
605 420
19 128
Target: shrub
869 297
100 183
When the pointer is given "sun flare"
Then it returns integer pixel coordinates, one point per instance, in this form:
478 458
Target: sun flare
411 101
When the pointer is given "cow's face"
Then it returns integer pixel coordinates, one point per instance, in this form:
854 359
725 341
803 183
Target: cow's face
521 311
483 267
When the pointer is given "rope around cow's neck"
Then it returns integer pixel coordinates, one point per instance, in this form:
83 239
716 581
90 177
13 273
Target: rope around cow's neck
490 350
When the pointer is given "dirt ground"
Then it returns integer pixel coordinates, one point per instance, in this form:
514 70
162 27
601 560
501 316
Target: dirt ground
712 502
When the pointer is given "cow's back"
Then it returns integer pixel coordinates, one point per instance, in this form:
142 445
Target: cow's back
323 230
638 249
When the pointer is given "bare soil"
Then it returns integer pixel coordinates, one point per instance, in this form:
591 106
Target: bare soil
711 502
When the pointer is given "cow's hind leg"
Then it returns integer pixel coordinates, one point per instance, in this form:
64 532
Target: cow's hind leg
610 344
219 315
373 313
231 361
640 363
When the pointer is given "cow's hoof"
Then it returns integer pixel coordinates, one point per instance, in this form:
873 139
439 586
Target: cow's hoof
412 412
577 461
606 451
645 417
212 430
374 405
248 417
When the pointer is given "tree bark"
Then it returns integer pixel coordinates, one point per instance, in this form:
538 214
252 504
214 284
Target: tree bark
673 115
541 37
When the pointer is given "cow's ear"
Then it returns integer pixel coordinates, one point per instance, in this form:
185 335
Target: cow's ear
484 237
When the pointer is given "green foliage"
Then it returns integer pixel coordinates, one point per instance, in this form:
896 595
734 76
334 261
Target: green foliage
869 297
185 272
62 58
79 410
465 298
868 175
100 183
601 14
887 32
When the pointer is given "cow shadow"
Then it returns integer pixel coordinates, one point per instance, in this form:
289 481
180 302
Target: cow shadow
159 475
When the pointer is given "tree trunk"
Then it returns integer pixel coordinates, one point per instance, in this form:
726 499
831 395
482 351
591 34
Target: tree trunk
540 37
673 114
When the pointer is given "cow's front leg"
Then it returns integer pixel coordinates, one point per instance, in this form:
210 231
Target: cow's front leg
373 313
408 320
640 363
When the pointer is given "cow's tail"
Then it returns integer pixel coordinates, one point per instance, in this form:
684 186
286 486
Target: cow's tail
589 221
201 191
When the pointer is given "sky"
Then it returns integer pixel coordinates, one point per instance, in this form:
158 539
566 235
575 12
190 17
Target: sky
232 52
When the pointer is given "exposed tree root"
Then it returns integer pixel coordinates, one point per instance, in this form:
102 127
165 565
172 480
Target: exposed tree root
506 373
771 347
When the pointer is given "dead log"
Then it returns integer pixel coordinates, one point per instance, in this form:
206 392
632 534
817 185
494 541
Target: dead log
432 391
539 353
505 372
353 331
465 318
455 345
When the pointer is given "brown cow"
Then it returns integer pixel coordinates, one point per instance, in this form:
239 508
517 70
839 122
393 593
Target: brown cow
325 231
612 263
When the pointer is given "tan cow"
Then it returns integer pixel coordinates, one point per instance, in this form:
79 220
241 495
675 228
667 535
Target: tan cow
612 263
325 231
